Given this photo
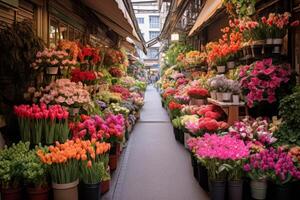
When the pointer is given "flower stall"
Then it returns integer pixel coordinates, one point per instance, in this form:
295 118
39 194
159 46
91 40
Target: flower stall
238 116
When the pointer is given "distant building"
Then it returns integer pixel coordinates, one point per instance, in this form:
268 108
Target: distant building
148 17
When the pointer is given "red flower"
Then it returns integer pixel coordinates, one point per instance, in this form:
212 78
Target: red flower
198 93
295 23
173 105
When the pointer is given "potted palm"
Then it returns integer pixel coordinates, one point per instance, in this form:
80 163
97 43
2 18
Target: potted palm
11 170
35 175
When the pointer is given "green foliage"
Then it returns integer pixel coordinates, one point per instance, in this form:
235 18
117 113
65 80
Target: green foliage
289 110
174 50
92 174
19 45
240 8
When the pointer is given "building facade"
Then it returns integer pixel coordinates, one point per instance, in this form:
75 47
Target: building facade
148 18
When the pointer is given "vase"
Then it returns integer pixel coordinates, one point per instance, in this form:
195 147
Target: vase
219 96
235 190
65 191
105 185
38 193
277 41
269 41
197 102
187 136
230 64
11 193
90 191
227 96
213 94
258 189
203 177
221 69
52 70
236 98
218 189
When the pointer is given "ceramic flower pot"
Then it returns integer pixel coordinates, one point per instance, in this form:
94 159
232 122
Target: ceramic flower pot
213 94
52 70
236 98
258 189
227 96
38 193
11 193
90 191
219 96
221 69
269 41
277 41
104 186
65 191
218 189
235 190
230 64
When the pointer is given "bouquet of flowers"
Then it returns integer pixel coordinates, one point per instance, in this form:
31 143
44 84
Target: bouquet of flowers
117 109
253 131
122 90
87 77
70 47
174 108
216 153
196 58
66 93
205 125
89 56
113 57
197 93
39 123
260 81
108 97
116 72
274 164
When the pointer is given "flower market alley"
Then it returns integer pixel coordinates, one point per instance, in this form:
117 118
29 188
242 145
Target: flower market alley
162 171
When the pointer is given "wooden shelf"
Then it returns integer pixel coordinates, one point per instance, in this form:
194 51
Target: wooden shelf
221 103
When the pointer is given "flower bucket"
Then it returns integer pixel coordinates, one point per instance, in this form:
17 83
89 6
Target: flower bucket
258 189
235 190
269 41
194 165
219 96
218 189
65 191
221 69
203 177
227 96
236 98
11 194
105 185
113 162
90 191
187 136
230 64
181 137
176 133
213 94
277 41
197 102
38 193
52 70
282 191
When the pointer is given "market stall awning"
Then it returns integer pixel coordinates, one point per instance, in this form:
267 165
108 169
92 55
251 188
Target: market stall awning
209 9
114 14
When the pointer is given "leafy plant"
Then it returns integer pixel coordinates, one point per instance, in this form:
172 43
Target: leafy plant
240 8
19 45
174 50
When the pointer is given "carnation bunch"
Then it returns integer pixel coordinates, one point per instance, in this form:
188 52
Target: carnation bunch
197 93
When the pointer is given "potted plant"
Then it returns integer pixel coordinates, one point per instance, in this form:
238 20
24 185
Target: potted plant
197 95
235 179
92 169
235 89
36 177
11 170
63 165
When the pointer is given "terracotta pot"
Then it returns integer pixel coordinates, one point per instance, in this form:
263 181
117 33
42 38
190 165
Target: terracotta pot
65 191
11 194
113 162
258 189
38 193
105 185
52 70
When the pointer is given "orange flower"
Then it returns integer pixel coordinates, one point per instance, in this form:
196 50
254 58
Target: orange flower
89 164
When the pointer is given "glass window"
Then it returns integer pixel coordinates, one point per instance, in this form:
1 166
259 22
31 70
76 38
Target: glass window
71 33
63 31
153 53
153 34
53 33
140 20
154 21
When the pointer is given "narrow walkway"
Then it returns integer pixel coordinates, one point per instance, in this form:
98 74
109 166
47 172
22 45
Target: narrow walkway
154 166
